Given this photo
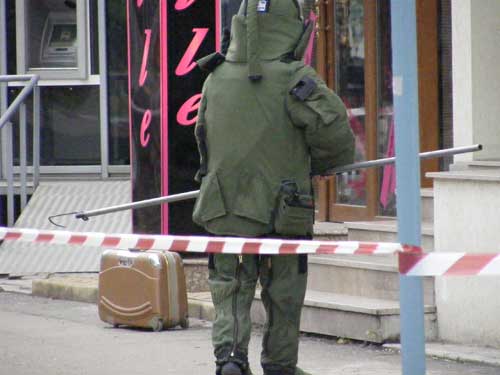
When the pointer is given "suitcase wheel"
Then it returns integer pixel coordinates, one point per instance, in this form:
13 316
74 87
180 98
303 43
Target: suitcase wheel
156 324
185 323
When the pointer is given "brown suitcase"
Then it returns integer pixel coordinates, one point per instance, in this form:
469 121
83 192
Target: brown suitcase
143 289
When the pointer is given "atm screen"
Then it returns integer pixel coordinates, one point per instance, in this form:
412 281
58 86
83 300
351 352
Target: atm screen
63 35
59 41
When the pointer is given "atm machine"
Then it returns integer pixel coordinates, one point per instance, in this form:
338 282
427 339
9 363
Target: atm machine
54 41
59 43
52 38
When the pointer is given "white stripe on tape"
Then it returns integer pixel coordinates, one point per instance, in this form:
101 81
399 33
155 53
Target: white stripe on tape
492 268
434 264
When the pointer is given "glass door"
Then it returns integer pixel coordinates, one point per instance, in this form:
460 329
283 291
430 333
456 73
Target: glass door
386 176
360 58
353 193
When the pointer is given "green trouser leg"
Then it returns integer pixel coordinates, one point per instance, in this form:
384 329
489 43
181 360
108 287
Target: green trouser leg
283 280
232 281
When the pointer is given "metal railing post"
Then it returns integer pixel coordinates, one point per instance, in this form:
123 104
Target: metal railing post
19 104
3 87
22 155
405 90
9 172
36 136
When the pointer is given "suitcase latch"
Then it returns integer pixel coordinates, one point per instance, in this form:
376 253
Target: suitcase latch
125 262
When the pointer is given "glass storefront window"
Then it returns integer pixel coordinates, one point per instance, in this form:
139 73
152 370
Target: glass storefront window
116 24
385 122
11 36
94 37
69 125
350 86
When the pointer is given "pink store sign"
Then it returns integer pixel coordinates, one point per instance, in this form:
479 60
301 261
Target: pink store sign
165 38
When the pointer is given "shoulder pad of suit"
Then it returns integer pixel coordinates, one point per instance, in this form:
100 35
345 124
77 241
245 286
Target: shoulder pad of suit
211 62
304 88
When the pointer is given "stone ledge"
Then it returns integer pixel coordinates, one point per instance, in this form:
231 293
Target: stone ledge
390 226
327 227
486 175
427 192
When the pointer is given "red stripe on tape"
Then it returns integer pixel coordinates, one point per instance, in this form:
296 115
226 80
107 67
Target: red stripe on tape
326 249
215 247
110 242
366 248
408 260
412 249
12 236
44 238
251 248
179 245
288 248
145 243
77 240
470 264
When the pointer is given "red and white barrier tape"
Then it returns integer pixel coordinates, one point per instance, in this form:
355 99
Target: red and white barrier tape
198 244
412 261
449 264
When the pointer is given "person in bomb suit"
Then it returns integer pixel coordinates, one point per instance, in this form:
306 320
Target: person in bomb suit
266 124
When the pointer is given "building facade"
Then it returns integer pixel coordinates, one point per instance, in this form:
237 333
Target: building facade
79 49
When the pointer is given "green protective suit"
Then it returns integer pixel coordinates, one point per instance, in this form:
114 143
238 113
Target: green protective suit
266 123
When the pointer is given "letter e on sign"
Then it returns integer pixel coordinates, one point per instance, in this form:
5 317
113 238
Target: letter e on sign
146 121
191 105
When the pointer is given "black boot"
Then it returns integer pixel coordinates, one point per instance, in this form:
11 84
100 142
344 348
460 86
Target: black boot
230 368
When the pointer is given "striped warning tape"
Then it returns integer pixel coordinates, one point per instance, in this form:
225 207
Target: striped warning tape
412 261
449 264
198 244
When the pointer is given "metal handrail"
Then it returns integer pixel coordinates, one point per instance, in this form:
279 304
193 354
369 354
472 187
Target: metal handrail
19 105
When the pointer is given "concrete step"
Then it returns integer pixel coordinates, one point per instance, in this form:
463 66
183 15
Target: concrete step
360 275
196 271
386 231
329 231
427 204
358 318
483 164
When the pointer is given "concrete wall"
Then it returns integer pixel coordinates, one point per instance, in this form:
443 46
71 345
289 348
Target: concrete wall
476 76
467 219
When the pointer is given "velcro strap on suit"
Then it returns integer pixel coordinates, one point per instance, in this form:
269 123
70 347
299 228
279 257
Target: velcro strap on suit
304 88
254 67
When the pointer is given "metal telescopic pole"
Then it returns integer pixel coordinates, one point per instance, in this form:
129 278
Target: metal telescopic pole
85 215
141 204
385 161
405 89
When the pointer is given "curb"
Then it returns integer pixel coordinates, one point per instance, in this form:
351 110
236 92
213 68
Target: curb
81 289
457 353
85 289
